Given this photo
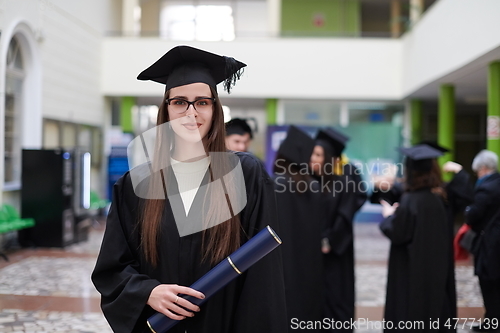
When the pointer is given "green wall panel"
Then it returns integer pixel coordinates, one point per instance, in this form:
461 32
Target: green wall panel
320 17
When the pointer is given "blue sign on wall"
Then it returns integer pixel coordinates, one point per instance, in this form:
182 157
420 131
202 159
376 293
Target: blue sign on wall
117 166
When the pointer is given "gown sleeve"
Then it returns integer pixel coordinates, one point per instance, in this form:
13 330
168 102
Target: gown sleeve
261 306
392 195
476 212
459 191
351 199
400 226
124 291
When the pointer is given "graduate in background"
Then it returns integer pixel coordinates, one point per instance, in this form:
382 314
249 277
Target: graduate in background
483 216
147 258
420 258
458 190
300 216
342 200
239 135
458 196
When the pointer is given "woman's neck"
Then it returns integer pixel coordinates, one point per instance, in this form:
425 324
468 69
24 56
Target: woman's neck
188 151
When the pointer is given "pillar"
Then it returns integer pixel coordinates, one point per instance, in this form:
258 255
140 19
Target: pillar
446 123
272 111
416 121
274 17
126 114
128 17
395 18
150 17
416 10
493 126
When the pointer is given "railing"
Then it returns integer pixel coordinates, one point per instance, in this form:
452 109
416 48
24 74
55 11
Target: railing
258 35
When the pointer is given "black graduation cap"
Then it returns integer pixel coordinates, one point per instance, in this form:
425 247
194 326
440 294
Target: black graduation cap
434 145
334 140
185 65
420 156
238 126
297 146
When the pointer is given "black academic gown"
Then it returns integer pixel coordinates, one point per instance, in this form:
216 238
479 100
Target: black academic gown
300 216
343 202
254 302
390 196
419 262
458 196
483 216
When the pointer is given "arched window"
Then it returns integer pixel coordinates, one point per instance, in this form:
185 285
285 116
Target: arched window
13 108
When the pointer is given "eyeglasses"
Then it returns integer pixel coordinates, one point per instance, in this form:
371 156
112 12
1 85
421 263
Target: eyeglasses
201 105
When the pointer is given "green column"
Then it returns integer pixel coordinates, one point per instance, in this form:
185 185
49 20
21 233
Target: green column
272 111
416 121
126 114
493 139
446 123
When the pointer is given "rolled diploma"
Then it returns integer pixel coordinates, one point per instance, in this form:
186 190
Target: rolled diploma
227 270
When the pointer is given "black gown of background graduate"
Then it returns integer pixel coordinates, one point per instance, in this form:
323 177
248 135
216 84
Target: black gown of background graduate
344 199
458 196
299 216
254 302
420 258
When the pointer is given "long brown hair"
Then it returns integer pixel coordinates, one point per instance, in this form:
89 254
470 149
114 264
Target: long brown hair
417 179
221 239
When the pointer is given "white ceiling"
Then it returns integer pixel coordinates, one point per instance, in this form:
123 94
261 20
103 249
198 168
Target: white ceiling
470 81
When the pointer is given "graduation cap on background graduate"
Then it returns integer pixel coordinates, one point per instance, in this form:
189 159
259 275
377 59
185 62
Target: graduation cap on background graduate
297 146
185 65
333 140
420 157
434 145
238 126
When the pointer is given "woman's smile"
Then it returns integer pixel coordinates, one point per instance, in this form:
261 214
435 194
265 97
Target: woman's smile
192 126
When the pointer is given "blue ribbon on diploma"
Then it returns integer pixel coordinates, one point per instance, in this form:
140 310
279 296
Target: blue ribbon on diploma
225 271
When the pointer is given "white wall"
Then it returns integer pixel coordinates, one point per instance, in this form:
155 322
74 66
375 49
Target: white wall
452 34
66 36
61 52
251 18
277 68
71 51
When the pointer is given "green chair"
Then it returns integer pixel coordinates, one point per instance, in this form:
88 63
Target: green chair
16 221
11 221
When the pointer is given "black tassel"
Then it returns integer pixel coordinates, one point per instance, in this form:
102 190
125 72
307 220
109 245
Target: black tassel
233 73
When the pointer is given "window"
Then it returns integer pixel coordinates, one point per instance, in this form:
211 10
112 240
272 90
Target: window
203 23
13 109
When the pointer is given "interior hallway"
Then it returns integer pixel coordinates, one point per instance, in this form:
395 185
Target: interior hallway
49 290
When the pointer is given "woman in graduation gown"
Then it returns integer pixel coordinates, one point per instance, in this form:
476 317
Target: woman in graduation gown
458 196
165 227
299 209
341 203
419 258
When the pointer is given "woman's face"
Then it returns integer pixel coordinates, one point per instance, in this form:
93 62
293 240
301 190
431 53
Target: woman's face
191 125
317 159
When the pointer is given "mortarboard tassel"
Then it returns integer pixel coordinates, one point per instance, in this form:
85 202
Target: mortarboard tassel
233 73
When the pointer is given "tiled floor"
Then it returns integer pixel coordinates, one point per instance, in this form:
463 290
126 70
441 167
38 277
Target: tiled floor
49 290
